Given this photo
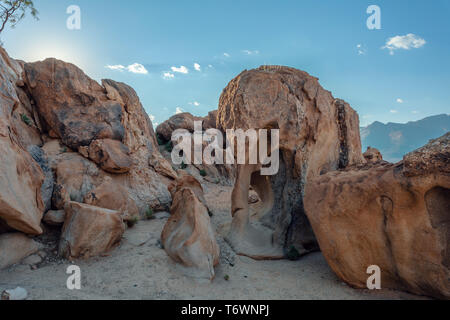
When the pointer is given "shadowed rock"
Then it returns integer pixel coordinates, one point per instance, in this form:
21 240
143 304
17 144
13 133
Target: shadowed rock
317 134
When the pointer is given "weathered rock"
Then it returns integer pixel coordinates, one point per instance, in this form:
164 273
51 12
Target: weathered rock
372 155
188 237
162 166
73 106
14 247
215 173
54 217
179 121
21 178
394 216
112 196
89 231
111 155
317 134
48 184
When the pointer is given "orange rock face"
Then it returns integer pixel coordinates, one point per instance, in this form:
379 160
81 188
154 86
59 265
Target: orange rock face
317 134
394 216
188 237
71 104
89 231
21 178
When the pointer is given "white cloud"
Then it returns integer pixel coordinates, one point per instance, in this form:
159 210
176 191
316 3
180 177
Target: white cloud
361 50
399 100
168 75
226 55
195 103
415 112
133 68
250 52
197 67
137 68
393 111
178 110
210 66
181 69
406 42
117 67
152 117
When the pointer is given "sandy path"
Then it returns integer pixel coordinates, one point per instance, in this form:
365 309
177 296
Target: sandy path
140 269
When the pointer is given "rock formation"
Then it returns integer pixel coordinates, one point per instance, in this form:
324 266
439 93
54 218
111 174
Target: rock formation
395 216
89 231
188 237
217 173
317 134
372 155
65 138
14 247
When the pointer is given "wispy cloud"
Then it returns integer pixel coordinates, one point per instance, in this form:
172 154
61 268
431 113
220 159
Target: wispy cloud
393 111
197 67
133 68
361 49
117 67
181 69
195 103
250 52
407 42
168 75
399 100
178 110
226 55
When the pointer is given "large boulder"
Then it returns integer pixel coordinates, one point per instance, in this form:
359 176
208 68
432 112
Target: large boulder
183 120
14 247
89 231
71 105
395 216
188 237
317 132
112 196
111 155
21 178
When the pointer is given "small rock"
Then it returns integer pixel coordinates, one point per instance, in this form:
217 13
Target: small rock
15 294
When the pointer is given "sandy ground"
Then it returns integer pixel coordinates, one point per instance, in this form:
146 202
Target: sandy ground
139 269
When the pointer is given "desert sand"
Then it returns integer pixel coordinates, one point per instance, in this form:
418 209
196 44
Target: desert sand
140 269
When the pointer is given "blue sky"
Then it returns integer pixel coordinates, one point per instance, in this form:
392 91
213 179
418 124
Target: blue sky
226 37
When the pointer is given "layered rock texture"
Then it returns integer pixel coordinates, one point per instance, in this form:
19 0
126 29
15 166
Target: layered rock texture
395 216
318 133
188 237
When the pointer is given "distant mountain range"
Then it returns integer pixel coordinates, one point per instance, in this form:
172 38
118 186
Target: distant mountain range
394 140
